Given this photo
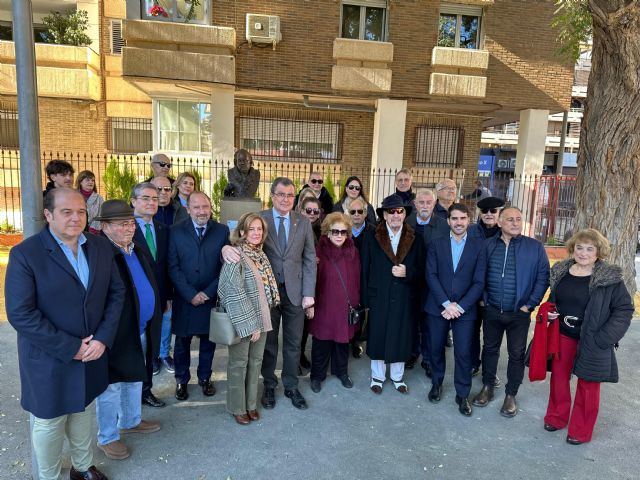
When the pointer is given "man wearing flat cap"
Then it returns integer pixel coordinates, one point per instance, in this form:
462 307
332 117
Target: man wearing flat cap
393 260
119 408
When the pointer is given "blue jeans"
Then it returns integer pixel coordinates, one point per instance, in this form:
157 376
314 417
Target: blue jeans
165 336
118 407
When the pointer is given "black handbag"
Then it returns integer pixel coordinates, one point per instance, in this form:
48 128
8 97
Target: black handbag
357 313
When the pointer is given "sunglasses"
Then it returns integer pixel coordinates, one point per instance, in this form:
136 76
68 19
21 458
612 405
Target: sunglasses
487 210
354 187
163 164
316 180
312 211
165 189
395 211
338 233
358 211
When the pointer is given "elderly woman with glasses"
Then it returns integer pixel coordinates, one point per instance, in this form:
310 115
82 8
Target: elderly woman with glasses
337 288
353 189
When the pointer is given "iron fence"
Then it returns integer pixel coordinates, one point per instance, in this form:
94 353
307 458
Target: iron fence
547 202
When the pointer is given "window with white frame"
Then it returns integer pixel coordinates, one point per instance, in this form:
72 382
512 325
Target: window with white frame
460 26
176 10
364 20
183 126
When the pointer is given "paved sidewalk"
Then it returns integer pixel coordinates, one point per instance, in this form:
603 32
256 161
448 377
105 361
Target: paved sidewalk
355 434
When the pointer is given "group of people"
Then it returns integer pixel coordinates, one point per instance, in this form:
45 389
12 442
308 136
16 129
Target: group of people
400 277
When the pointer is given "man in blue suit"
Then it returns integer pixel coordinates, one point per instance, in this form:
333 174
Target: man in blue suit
194 267
63 296
455 278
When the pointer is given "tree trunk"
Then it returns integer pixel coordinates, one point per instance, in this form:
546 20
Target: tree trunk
608 184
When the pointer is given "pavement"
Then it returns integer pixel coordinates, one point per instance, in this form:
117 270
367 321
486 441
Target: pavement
353 433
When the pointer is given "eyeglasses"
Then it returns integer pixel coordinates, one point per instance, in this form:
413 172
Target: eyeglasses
147 198
357 210
487 210
319 181
282 196
395 211
338 233
312 211
130 224
448 189
164 189
163 164
354 187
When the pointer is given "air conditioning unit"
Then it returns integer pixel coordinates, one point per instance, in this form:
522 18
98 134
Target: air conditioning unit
263 29
503 163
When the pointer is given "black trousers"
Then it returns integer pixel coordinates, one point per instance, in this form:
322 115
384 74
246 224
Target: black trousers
476 349
495 325
325 351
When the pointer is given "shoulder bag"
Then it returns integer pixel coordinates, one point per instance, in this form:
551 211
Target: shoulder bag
221 330
357 313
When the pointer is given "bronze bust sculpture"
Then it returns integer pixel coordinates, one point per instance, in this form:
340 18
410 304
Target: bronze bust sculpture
243 178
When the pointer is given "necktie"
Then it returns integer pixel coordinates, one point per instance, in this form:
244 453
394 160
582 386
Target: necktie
200 233
282 236
148 236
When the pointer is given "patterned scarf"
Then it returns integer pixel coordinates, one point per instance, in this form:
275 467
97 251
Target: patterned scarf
261 262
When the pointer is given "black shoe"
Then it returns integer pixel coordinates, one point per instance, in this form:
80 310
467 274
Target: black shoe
150 399
435 394
411 362
167 363
156 366
268 400
574 441
463 406
356 350
483 398
92 474
297 400
509 407
181 391
316 385
346 381
304 362
449 340
549 428
208 390
427 369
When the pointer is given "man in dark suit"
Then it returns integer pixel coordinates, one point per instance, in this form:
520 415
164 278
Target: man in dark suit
153 238
194 268
291 251
170 211
455 278
63 296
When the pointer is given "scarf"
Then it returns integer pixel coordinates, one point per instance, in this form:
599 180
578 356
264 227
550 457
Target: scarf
86 194
261 262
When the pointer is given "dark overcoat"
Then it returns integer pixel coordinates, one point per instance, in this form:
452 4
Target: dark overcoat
606 320
330 319
52 311
160 264
394 302
194 266
126 358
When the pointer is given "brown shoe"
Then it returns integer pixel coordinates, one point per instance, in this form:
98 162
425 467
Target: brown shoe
115 450
509 407
242 419
483 398
254 415
144 426
92 474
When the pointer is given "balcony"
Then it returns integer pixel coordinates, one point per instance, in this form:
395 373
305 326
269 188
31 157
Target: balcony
63 71
361 66
459 72
164 58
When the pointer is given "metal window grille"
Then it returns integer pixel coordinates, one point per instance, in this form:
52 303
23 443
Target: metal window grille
439 146
117 42
292 140
130 135
9 128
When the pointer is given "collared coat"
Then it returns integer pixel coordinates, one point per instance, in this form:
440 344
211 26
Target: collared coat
194 266
159 265
51 310
394 303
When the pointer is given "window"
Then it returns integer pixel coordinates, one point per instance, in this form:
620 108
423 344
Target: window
364 20
178 10
130 135
39 32
459 27
183 126
9 128
440 147
296 140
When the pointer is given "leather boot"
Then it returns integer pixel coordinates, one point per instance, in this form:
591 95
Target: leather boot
483 398
509 407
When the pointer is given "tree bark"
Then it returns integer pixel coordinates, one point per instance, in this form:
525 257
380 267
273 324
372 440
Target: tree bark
608 183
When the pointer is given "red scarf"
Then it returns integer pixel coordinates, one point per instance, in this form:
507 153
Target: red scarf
546 342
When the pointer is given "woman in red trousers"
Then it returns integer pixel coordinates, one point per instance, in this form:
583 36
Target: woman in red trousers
595 312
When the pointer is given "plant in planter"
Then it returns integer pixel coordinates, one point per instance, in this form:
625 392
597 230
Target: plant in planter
67 28
118 183
158 11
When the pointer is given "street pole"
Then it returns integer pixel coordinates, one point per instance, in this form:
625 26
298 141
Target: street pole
28 126
563 138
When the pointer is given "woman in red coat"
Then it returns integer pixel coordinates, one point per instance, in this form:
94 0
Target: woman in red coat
337 287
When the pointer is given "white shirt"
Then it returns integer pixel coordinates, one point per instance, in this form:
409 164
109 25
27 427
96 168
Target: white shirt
395 239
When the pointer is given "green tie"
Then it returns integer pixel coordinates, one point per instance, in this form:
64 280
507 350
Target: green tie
148 236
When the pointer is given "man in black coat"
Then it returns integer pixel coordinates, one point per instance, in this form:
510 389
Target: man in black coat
194 267
118 408
315 183
170 210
